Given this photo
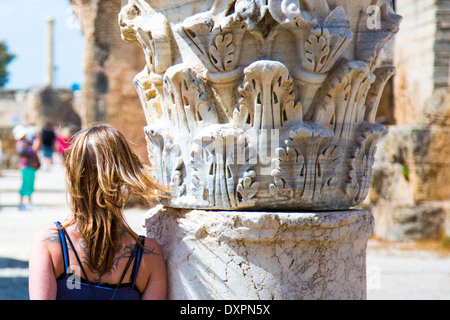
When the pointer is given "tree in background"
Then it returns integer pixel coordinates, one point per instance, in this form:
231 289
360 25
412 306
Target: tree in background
5 58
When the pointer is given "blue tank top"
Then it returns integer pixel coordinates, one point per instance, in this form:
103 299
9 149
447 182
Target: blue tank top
70 289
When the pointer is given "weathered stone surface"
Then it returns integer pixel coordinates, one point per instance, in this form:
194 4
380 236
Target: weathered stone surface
422 57
422 154
410 190
57 106
108 94
261 105
399 222
263 255
437 109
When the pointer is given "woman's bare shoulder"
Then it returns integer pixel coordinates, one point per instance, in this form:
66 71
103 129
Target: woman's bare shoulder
45 238
47 232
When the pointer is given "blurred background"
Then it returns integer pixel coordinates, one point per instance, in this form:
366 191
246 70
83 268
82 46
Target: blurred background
64 62
70 67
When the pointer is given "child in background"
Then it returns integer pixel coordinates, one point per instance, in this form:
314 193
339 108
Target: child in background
28 164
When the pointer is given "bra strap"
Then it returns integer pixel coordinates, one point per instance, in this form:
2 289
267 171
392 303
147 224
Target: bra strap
133 254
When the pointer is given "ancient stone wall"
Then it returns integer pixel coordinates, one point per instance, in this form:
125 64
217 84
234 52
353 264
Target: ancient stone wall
52 105
442 45
422 56
108 94
35 106
12 106
410 188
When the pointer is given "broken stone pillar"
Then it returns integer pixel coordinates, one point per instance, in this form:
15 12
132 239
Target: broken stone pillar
263 255
261 122
49 64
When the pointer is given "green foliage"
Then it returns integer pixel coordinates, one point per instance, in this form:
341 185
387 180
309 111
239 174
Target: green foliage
405 171
5 58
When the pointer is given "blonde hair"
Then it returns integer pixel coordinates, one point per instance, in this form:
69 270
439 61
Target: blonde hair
102 171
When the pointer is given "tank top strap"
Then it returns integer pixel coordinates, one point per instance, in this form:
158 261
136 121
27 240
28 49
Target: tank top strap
136 256
137 262
64 235
65 251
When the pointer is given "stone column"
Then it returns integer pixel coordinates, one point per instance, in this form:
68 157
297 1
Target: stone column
261 123
263 255
49 64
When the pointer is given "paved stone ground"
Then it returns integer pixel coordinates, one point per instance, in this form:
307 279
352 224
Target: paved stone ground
391 273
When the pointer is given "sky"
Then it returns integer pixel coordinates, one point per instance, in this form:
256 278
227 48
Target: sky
23 25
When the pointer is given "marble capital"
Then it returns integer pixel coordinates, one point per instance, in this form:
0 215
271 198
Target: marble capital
261 104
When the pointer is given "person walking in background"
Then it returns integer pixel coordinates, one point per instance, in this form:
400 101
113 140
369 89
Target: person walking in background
63 141
28 163
48 139
107 259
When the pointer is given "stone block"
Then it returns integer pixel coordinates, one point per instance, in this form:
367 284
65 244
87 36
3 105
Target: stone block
421 157
400 222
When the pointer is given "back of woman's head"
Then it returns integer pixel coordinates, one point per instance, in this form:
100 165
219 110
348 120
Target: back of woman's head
102 171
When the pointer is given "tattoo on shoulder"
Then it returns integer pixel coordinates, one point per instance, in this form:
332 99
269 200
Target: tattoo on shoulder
149 251
52 237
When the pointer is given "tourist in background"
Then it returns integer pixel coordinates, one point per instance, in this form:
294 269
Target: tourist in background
28 163
63 141
48 139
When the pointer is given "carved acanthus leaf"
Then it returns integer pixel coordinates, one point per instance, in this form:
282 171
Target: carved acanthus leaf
187 99
361 160
247 189
382 74
342 97
325 43
267 95
217 43
282 172
221 172
305 168
370 41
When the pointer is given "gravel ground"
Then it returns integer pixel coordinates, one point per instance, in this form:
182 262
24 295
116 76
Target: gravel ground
392 273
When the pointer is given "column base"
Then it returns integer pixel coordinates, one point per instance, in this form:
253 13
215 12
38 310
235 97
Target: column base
242 255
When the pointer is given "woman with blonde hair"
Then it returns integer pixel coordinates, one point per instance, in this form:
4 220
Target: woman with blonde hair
95 254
